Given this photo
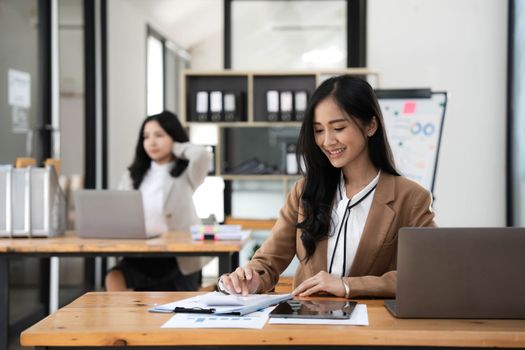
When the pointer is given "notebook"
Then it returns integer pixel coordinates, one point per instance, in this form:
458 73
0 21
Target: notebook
460 273
110 214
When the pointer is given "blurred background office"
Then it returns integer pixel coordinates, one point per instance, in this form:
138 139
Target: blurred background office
96 68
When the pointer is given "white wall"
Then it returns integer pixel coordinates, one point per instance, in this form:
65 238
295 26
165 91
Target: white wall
459 46
208 54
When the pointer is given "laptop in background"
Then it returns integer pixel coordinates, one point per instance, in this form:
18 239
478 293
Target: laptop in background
460 273
110 214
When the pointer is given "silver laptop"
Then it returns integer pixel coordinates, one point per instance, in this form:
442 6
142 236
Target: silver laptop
110 214
460 273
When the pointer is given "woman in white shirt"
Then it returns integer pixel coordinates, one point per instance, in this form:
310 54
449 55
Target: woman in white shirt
167 169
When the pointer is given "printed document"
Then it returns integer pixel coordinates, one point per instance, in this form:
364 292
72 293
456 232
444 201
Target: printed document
218 303
255 320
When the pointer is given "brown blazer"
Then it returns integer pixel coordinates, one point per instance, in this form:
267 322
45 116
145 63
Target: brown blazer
398 202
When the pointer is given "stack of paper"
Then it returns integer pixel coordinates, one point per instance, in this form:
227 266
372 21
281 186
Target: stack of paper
217 310
218 232
220 304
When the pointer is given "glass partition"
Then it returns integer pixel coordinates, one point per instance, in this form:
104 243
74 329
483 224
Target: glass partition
19 71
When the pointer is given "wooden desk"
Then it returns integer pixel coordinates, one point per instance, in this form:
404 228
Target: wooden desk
122 320
170 244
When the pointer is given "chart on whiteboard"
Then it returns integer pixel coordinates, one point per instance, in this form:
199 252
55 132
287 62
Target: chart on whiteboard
414 127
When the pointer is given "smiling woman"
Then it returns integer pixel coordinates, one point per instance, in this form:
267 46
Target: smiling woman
342 219
342 138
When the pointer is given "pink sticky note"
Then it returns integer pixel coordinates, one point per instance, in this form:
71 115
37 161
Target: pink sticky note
409 107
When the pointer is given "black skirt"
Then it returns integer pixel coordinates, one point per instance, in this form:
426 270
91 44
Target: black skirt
157 274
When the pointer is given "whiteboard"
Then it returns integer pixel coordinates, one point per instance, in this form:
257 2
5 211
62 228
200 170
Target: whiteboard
414 124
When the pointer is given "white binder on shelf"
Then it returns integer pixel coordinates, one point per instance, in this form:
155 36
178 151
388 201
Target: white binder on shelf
201 106
300 103
230 107
286 105
272 105
216 106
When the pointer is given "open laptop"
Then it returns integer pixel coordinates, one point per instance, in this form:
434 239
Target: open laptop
110 214
460 273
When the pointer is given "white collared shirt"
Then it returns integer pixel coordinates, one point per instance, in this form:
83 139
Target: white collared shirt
152 188
355 225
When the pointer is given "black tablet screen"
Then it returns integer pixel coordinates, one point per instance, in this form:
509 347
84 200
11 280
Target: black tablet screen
334 309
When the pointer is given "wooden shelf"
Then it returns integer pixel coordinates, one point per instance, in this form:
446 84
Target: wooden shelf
249 124
259 177
250 86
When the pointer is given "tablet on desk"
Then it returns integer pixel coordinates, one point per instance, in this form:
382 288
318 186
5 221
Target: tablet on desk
328 309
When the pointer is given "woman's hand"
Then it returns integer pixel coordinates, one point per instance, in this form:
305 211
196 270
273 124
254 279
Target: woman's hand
322 282
244 280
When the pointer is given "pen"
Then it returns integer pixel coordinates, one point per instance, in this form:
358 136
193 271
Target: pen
193 310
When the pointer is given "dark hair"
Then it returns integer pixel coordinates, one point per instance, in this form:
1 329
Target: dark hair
171 125
357 98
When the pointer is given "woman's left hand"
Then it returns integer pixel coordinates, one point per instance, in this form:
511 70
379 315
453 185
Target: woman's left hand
322 282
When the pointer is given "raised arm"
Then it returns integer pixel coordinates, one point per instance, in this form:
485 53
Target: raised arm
271 259
276 253
199 159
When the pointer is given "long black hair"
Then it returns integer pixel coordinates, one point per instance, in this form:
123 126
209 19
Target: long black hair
357 98
141 163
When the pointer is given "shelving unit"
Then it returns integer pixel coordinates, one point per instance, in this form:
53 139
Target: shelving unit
250 88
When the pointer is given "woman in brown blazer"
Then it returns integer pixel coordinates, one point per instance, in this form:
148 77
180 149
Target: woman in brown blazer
342 218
